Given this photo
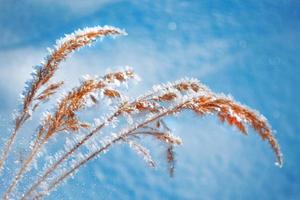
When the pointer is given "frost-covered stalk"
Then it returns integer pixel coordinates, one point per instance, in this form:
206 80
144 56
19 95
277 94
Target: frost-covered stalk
24 167
45 71
113 140
64 119
184 96
139 104
64 157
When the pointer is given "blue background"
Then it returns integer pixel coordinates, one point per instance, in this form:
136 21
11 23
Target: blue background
249 49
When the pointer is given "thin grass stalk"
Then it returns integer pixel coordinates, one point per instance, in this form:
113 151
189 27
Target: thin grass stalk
65 156
86 138
38 144
209 105
54 184
200 105
79 144
8 145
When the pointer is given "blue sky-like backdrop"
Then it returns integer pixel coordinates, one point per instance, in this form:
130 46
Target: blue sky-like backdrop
247 48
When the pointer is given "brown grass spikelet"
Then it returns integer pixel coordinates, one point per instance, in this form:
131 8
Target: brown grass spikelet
182 86
111 93
195 87
185 85
168 138
167 97
170 157
50 90
120 76
94 99
144 106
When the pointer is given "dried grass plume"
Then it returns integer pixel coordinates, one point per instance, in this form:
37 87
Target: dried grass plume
122 119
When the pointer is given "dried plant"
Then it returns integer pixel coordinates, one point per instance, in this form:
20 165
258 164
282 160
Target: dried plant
133 118
46 70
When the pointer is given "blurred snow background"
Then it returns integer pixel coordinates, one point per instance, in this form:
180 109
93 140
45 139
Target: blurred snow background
249 49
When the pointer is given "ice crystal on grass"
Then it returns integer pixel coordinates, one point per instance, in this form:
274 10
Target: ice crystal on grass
144 152
73 142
